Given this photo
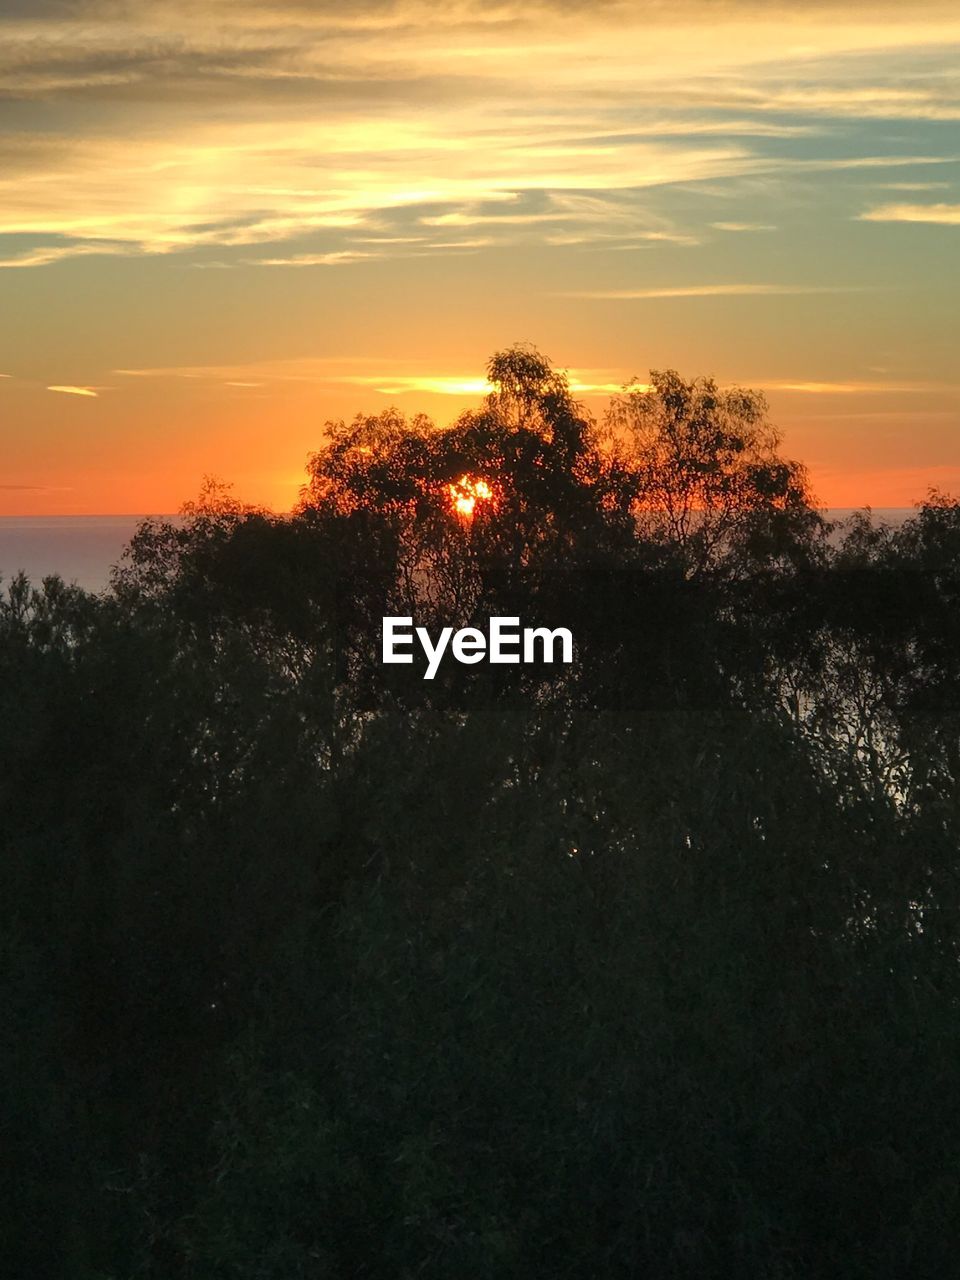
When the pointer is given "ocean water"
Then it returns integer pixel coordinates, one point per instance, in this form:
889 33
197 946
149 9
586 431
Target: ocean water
82 549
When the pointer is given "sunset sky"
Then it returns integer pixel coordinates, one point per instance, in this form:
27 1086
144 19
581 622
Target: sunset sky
224 223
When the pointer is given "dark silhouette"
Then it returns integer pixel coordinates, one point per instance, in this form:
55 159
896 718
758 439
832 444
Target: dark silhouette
644 966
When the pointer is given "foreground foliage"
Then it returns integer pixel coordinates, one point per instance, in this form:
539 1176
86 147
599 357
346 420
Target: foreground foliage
648 967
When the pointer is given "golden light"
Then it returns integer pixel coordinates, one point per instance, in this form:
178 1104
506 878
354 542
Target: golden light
466 492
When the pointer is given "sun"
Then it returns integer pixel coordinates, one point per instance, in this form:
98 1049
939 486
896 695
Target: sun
466 492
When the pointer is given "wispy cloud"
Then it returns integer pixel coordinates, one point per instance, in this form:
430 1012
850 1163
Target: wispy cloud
743 226
912 186
34 488
370 373
941 214
338 258
76 391
334 125
854 387
194 192
704 291
393 385
876 101
44 255
334 371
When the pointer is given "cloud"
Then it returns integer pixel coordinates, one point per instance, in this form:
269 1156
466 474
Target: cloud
337 371
397 378
297 369
743 226
46 254
165 128
882 102
596 219
375 374
392 385
216 188
479 243
76 391
942 214
417 247
856 388
861 162
704 291
912 186
336 259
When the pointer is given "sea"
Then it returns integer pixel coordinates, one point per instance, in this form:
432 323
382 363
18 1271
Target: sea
82 549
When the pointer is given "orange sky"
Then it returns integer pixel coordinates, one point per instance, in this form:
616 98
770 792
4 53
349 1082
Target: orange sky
223 224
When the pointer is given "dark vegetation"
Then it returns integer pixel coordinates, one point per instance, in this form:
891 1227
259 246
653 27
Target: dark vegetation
641 968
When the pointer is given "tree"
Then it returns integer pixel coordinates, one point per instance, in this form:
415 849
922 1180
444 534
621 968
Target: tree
307 971
708 475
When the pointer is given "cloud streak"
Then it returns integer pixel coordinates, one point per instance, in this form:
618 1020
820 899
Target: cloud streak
337 258
44 255
944 215
369 372
335 371
854 387
743 226
394 385
703 291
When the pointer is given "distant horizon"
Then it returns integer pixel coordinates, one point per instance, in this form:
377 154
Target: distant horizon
83 548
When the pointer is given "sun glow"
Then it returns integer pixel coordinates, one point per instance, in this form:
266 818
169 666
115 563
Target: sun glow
466 492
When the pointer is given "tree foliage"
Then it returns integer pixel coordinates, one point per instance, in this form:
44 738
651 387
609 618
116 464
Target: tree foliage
645 966
707 472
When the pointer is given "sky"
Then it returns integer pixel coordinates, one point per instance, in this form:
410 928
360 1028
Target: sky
224 224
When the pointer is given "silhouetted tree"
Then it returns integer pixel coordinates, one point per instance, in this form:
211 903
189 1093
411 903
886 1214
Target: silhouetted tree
708 474
646 966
